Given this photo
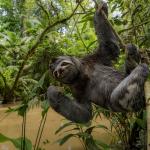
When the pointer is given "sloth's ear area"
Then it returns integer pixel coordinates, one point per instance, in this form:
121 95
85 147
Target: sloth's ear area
52 63
53 60
77 62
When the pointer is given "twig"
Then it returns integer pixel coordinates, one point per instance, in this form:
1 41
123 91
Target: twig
55 9
42 128
143 23
39 3
80 36
38 133
75 24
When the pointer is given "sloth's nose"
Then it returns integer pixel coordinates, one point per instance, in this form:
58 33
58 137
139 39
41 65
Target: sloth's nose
55 73
58 73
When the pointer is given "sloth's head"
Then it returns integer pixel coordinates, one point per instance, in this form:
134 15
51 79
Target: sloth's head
65 69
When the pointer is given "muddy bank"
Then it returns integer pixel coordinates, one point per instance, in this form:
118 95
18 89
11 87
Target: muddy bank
11 126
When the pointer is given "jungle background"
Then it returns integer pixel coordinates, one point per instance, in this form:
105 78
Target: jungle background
32 32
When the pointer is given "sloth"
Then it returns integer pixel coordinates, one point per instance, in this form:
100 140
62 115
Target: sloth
93 79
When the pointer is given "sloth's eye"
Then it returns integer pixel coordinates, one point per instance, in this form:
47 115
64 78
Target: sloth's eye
64 64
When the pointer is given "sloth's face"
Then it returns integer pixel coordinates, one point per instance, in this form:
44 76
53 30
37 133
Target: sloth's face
65 68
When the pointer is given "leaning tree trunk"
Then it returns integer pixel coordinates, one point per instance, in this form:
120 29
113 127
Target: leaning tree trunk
147 96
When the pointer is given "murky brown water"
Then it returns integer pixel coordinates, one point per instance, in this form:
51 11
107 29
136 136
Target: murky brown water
11 126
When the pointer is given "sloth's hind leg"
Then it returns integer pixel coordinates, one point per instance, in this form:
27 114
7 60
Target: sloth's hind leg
129 94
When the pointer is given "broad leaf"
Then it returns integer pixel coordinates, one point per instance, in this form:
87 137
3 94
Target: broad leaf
65 139
16 142
63 126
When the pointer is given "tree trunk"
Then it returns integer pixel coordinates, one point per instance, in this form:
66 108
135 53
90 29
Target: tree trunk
147 96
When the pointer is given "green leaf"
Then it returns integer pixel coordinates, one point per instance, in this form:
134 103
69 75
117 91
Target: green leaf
22 109
91 44
64 126
102 144
118 22
89 18
91 144
9 110
113 8
45 107
84 27
102 126
87 15
41 81
16 142
65 139
3 138
83 135
89 130
72 129
141 123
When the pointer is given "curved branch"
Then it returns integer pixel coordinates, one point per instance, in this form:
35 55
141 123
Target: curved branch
32 50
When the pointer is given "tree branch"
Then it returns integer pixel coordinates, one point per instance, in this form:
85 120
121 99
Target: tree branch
143 23
75 24
39 3
32 50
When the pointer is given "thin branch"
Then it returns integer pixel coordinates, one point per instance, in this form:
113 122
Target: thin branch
140 20
41 133
39 3
55 9
38 133
82 8
81 13
80 36
38 41
143 23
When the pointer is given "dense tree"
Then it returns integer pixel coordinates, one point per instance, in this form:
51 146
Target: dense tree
32 32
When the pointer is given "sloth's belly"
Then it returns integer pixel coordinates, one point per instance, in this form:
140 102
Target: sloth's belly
101 86
100 94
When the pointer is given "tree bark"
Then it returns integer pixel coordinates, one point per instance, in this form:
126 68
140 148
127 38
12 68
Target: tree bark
147 96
